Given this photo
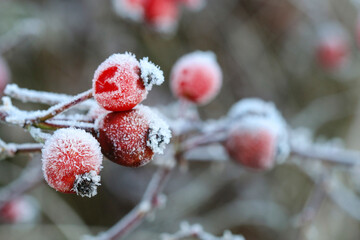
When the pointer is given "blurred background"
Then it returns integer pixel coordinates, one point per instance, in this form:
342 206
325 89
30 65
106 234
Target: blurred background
301 54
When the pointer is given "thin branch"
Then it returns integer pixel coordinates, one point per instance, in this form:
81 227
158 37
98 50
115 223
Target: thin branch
30 177
11 149
49 98
59 108
196 231
149 202
327 154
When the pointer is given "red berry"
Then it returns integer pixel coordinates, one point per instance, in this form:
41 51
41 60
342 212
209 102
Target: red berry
258 136
71 161
332 49
121 81
161 14
196 77
4 75
23 209
254 148
132 9
132 137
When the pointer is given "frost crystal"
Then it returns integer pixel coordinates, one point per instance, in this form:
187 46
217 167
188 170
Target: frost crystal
159 133
150 73
86 184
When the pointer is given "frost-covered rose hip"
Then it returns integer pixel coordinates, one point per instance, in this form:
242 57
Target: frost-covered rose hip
121 81
162 15
131 138
4 75
252 145
71 162
196 77
258 135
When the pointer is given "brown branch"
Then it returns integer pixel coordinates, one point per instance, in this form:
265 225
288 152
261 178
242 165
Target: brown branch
149 202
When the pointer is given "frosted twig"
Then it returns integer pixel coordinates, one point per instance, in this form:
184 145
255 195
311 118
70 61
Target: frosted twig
312 206
30 177
11 149
150 201
196 231
27 95
203 140
327 154
59 108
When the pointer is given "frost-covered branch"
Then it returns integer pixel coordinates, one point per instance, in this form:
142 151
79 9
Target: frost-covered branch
150 201
327 154
49 98
10 149
196 231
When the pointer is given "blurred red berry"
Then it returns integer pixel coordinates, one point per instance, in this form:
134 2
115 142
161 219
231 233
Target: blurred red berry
258 134
332 50
253 148
196 77
121 81
71 161
131 138
23 209
4 75
162 15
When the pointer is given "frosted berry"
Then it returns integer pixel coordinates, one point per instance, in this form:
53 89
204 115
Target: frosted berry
253 146
196 77
132 9
71 162
23 209
4 75
131 138
121 82
258 137
332 50
162 15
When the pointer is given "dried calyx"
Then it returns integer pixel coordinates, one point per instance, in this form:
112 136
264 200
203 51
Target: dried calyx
86 184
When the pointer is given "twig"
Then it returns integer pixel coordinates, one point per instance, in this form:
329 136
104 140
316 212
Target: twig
27 95
312 206
149 202
30 177
332 155
11 149
61 107
196 231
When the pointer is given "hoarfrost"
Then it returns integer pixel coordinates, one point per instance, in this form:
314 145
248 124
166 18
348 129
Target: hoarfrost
151 74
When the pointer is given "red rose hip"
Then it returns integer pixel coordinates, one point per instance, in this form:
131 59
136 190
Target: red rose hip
196 77
71 162
121 82
131 138
161 14
254 148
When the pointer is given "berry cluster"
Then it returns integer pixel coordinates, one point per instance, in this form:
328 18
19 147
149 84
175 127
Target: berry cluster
161 15
126 133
